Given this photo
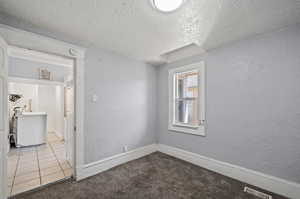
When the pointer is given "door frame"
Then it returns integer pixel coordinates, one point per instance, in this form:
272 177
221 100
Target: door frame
32 42
4 128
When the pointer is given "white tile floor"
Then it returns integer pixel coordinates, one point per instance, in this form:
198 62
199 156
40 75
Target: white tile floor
31 167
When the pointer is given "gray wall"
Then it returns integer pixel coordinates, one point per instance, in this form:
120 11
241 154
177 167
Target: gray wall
29 69
253 105
124 114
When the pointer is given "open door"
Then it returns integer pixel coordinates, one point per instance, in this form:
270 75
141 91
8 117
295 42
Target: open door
3 118
69 121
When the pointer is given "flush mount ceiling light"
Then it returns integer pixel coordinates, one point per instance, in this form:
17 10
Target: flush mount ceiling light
167 5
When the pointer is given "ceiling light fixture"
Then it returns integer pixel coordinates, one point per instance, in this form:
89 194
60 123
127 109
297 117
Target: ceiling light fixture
167 5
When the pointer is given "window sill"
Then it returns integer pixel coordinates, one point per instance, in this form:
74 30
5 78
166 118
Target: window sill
200 130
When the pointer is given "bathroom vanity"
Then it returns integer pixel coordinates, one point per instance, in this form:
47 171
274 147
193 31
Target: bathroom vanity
31 128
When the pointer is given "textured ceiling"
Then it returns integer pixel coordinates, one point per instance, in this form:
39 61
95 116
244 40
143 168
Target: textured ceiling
133 28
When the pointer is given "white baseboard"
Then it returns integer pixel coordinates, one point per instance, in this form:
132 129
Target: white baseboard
261 180
267 182
107 163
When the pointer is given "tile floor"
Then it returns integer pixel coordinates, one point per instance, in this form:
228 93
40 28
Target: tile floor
31 167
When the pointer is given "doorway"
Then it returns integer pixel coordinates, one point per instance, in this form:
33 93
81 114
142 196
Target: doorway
11 37
41 120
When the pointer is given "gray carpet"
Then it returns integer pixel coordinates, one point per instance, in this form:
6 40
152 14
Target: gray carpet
156 176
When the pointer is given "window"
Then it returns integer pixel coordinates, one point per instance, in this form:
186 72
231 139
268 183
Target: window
187 99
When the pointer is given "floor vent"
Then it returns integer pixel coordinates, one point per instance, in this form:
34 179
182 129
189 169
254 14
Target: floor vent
257 193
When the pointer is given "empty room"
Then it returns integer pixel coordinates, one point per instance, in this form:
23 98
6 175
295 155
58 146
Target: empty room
150 99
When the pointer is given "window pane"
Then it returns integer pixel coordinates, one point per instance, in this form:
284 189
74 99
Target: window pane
186 98
186 112
187 84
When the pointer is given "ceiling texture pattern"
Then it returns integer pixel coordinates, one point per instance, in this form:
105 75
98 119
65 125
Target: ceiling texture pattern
135 29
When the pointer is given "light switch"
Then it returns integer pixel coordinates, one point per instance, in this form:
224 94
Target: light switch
94 98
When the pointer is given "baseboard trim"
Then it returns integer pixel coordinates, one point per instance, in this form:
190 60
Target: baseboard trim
258 179
267 182
94 168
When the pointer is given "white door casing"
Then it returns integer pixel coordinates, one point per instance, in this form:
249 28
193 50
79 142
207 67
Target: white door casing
3 118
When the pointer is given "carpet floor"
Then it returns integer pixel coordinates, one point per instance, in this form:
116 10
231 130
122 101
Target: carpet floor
156 176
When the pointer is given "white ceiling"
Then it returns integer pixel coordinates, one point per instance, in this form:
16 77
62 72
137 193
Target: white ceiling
133 28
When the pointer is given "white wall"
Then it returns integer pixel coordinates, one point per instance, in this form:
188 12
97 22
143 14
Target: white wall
47 104
253 104
45 98
28 91
51 100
